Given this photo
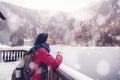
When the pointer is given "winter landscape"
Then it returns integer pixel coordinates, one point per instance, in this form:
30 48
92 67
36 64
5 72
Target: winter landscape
99 63
86 32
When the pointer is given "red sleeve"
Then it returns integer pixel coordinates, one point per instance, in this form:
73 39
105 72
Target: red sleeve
48 59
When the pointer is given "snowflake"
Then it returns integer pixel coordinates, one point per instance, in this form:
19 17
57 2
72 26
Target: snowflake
109 35
103 68
119 3
100 20
39 71
119 72
77 66
31 64
118 11
118 38
113 23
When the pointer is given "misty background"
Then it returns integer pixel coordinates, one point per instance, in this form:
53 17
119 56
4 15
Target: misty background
95 25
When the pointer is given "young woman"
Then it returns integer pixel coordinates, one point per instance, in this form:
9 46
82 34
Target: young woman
42 58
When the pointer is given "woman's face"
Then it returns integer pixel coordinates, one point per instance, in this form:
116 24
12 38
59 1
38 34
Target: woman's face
48 41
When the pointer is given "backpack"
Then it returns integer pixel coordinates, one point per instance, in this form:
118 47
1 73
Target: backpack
23 68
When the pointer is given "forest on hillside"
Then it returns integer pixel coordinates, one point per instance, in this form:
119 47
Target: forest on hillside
23 25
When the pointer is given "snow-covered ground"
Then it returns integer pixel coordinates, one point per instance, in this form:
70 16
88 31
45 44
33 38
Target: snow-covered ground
6 70
99 63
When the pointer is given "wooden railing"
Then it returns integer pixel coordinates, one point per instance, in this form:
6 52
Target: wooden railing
58 74
63 72
11 55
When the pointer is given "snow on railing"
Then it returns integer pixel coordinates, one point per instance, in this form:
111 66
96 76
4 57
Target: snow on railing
64 72
68 73
4 47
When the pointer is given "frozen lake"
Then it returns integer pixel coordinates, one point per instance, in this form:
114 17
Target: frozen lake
99 63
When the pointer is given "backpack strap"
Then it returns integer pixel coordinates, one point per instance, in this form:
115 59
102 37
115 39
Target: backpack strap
32 50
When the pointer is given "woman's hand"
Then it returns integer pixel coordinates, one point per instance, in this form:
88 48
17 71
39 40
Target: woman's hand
59 53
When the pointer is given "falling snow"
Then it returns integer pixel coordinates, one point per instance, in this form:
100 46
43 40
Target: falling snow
100 20
103 68
118 38
100 63
77 66
119 72
118 11
31 65
119 2
39 70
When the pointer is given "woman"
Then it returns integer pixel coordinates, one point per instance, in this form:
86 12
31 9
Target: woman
42 58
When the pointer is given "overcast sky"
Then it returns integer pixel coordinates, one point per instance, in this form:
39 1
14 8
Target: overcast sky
54 5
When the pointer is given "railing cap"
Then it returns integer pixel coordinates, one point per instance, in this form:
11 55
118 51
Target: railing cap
73 73
15 48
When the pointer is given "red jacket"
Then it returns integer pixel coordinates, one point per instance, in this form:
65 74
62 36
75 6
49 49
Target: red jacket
41 55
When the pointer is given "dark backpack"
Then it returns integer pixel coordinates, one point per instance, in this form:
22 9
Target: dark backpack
23 68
